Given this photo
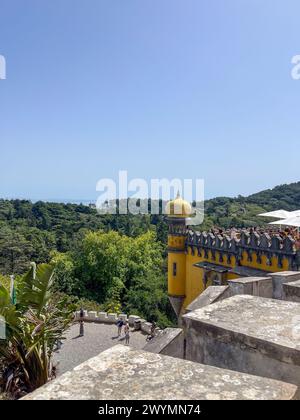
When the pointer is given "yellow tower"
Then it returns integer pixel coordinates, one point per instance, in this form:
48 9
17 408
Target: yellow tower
178 211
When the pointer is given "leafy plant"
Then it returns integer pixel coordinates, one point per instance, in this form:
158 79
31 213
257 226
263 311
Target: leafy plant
34 326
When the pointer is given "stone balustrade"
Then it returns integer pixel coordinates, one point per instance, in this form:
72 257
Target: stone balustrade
111 318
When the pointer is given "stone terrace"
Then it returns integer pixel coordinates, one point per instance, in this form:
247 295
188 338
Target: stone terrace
97 338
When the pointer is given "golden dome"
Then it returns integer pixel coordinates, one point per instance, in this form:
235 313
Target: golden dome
178 207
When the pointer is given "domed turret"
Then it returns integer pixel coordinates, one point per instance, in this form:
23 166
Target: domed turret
178 211
178 207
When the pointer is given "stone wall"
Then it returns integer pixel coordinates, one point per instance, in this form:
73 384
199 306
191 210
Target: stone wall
255 286
112 318
249 334
169 341
122 373
275 285
279 279
210 295
291 291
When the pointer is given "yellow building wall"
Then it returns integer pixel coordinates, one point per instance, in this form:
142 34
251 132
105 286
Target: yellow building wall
188 281
264 266
177 242
176 284
232 276
194 275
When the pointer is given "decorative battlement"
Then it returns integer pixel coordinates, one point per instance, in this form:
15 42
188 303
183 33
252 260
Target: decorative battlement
249 242
197 260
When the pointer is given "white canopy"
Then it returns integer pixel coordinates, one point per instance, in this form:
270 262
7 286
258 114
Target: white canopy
277 222
292 221
295 213
278 214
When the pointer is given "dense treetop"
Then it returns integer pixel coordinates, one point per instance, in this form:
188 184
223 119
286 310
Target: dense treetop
31 231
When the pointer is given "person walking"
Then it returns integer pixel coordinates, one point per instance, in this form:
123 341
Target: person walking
81 322
120 326
127 333
81 328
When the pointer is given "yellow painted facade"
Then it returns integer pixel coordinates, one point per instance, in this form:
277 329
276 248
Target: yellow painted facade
186 280
194 276
189 279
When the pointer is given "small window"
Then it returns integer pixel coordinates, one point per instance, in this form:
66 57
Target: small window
174 269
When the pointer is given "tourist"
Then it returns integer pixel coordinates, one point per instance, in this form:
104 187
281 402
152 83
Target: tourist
127 333
233 233
81 314
81 328
81 322
120 324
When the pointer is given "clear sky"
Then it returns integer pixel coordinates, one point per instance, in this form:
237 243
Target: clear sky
161 88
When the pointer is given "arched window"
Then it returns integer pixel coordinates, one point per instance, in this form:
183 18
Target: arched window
174 269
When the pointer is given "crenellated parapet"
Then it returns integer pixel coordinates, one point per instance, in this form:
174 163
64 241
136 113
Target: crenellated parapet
258 244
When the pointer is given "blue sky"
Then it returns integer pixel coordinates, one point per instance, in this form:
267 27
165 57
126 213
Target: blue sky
161 88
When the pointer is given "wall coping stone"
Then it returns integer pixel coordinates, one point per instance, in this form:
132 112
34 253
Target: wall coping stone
124 373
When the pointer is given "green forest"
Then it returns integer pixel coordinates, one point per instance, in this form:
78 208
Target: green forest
114 262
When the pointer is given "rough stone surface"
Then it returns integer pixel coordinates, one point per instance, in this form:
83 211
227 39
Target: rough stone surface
169 341
279 279
255 286
248 334
210 295
146 327
291 291
176 302
132 319
97 337
127 374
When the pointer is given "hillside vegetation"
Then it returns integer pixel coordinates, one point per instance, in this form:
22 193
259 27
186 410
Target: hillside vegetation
242 211
32 231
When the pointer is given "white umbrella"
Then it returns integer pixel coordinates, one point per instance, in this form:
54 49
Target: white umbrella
292 221
295 213
278 214
278 222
